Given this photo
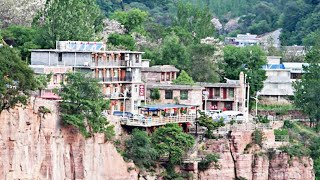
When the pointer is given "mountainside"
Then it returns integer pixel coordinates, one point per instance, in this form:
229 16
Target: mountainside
37 146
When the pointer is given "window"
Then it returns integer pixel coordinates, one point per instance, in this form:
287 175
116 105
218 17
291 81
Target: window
137 58
135 105
231 93
217 92
55 79
168 94
59 57
184 95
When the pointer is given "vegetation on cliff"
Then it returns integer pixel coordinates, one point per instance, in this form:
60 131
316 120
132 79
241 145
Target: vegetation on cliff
16 79
83 105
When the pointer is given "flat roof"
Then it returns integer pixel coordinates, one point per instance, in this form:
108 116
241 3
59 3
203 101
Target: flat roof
160 68
173 86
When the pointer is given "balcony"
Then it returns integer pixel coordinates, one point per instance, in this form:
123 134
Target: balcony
157 121
117 96
219 98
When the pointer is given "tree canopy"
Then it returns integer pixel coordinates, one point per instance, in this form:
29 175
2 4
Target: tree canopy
249 60
83 105
306 94
16 79
172 142
68 20
183 79
140 149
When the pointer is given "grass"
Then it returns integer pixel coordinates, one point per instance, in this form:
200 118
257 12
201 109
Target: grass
275 107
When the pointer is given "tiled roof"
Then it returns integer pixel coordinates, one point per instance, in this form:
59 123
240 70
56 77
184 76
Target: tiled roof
163 68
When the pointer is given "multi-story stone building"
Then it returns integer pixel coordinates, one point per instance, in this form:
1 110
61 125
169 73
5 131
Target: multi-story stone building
119 72
159 74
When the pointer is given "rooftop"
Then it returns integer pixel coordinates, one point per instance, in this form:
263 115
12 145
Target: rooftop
163 68
173 86
84 51
231 83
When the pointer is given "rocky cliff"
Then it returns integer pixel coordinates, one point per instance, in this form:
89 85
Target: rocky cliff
237 160
34 146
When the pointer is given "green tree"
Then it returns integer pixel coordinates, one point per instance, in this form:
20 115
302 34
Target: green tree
68 20
132 20
209 123
155 94
140 149
42 81
172 142
183 79
21 37
306 91
16 79
126 41
174 53
249 60
83 105
195 19
203 66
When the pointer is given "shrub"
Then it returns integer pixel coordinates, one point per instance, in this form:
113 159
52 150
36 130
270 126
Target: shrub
263 119
257 137
280 132
205 163
297 150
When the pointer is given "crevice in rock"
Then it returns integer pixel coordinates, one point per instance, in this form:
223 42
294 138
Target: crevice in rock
231 144
72 165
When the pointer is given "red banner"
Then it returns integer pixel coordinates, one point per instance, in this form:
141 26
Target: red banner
141 90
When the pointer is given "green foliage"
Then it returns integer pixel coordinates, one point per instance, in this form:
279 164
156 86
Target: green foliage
16 79
83 105
295 150
67 20
155 94
203 66
280 132
42 81
170 141
257 137
183 79
195 19
174 53
208 122
23 38
140 149
205 163
126 41
263 119
306 91
132 19
249 60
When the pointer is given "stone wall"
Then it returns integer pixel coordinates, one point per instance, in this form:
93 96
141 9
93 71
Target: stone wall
37 147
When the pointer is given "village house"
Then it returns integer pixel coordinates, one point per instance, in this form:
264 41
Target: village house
176 94
119 72
159 74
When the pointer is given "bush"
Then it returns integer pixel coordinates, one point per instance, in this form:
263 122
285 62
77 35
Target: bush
257 137
295 150
280 132
207 161
287 124
263 119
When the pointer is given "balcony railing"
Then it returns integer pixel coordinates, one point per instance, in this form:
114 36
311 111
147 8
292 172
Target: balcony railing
157 121
221 98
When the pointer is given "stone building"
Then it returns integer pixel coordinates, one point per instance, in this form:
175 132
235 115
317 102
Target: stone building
176 94
224 96
119 72
159 74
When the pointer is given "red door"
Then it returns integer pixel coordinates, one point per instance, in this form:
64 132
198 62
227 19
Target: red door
224 93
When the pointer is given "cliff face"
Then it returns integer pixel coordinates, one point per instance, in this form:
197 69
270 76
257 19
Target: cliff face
37 147
235 162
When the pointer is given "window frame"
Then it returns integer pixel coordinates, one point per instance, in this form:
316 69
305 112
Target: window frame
168 94
184 94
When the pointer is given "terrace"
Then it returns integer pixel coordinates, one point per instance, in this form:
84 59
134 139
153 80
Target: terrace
158 115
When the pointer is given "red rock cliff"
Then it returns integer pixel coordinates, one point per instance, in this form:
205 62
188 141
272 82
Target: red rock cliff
36 147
